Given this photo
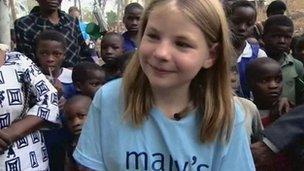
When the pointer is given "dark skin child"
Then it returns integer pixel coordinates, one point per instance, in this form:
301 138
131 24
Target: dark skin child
96 78
266 86
131 20
242 22
277 41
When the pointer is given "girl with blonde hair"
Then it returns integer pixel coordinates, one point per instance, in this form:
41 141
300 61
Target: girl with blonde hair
173 109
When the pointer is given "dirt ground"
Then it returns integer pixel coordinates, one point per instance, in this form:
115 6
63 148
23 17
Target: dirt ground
295 11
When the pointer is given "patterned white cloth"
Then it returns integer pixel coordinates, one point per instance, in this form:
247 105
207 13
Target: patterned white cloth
29 152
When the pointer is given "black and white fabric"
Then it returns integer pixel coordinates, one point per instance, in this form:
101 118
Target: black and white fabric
29 152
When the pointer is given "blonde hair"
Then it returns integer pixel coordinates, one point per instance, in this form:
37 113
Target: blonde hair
210 90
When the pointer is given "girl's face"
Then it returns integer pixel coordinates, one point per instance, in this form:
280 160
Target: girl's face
173 50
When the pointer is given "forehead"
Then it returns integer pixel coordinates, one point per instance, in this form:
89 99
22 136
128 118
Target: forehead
95 74
244 12
274 29
134 12
115 39
267 70
48 43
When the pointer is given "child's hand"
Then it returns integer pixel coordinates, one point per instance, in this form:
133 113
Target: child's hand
262 154
284 105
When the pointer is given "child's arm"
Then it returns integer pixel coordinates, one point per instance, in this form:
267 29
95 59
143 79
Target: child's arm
18 130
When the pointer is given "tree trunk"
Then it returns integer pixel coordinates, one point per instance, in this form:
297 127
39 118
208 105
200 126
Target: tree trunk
79 3
5 36
12 6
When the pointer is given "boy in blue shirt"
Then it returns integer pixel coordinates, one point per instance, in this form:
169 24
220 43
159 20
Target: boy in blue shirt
131 20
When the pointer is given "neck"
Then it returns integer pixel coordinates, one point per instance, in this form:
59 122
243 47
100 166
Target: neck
262 105
53 17
171 101
273 54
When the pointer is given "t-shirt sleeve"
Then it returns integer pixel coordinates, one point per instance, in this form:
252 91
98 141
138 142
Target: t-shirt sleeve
46 103
262 53
238 155
88 152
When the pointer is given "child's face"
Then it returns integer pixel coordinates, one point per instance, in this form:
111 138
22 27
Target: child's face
242 22
111 49
268 87
277 39
91 85
132 18
50 54
76 114
171 57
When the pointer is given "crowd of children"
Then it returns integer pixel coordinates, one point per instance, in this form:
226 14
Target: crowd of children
267 75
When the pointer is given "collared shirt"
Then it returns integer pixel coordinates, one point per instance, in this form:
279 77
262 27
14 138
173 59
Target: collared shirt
28 28
247 53
129 45
291 69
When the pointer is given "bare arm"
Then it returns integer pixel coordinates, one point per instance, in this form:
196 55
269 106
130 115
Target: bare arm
18 130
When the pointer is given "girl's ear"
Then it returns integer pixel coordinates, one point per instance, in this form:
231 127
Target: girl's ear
213 53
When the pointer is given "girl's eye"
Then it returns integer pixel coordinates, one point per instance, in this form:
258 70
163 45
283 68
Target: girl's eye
183 44
153 36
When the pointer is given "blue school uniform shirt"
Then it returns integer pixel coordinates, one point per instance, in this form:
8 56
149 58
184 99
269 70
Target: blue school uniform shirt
107 142
128 44
250 52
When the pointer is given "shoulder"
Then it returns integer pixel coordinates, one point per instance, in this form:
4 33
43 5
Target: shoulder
66 16
65 76
108 94
248 106
297 63
28 19
239 113
262 53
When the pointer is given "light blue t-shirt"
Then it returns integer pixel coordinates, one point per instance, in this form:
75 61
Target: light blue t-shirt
107 142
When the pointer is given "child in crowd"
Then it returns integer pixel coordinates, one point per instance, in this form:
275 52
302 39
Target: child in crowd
253 123
75 112
274 8
264 77
278 31
111 54
87 78
242 18
176 88
131 20
50 53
